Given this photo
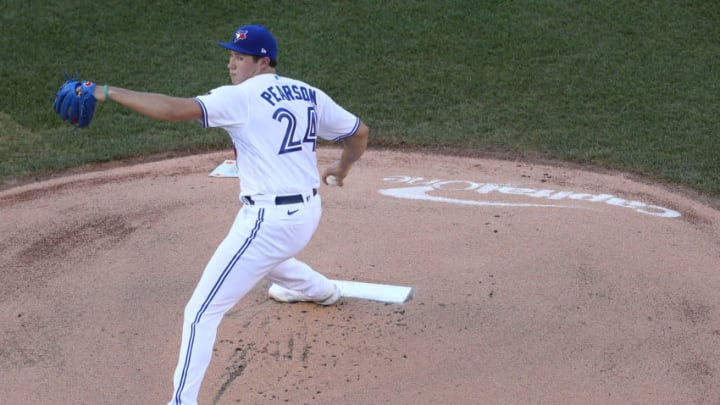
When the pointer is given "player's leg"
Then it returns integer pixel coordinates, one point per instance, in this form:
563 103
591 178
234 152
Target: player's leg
236 266
295 281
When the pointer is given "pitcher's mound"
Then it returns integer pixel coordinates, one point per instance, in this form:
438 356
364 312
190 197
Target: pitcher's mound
531 284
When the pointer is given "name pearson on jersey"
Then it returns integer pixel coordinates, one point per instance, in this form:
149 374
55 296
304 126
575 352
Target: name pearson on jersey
277 94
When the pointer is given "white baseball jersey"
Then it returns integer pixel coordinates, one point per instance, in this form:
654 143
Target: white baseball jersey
274 123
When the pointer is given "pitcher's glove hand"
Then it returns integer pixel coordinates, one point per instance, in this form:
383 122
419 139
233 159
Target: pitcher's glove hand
75 102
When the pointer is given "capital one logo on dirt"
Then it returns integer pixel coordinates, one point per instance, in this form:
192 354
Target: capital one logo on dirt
508 195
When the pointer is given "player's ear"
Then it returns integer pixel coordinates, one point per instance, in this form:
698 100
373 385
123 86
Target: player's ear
264 61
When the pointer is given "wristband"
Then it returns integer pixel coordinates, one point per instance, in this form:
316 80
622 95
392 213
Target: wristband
107 94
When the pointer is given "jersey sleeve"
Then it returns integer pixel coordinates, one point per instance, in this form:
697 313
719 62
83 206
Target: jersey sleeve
225 106
334 122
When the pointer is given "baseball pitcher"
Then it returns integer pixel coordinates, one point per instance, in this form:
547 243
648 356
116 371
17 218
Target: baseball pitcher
274 123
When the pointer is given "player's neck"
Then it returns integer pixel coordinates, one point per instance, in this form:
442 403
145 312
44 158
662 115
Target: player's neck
266 70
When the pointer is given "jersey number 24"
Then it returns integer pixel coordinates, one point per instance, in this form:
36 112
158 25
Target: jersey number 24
294 136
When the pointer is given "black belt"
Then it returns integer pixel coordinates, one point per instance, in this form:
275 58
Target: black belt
282 199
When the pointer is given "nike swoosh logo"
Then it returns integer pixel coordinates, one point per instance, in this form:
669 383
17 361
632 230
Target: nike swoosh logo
292 212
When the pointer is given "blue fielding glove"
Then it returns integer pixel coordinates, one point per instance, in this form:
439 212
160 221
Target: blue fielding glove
75 102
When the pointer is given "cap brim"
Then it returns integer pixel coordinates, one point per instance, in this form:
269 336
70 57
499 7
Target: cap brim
234 47
229 46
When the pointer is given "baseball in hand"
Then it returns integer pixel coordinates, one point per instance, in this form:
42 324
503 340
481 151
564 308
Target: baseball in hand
331 180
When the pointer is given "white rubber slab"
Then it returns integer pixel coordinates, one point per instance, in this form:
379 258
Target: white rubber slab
225 169
393 294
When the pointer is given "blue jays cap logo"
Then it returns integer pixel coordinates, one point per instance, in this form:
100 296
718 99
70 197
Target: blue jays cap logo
240 35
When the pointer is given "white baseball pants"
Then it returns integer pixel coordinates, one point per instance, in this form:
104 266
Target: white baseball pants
261 243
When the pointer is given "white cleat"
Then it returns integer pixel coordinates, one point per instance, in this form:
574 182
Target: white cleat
283 294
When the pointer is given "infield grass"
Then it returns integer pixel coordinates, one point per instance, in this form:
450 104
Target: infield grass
624 85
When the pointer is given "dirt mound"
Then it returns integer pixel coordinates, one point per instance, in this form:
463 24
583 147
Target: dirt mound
532 284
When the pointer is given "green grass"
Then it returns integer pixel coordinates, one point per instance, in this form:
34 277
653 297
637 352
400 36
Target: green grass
625 85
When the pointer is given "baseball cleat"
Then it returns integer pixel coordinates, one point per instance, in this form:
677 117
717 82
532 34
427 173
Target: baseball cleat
282 294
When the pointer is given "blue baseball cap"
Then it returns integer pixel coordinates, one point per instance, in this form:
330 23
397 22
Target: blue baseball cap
253 40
